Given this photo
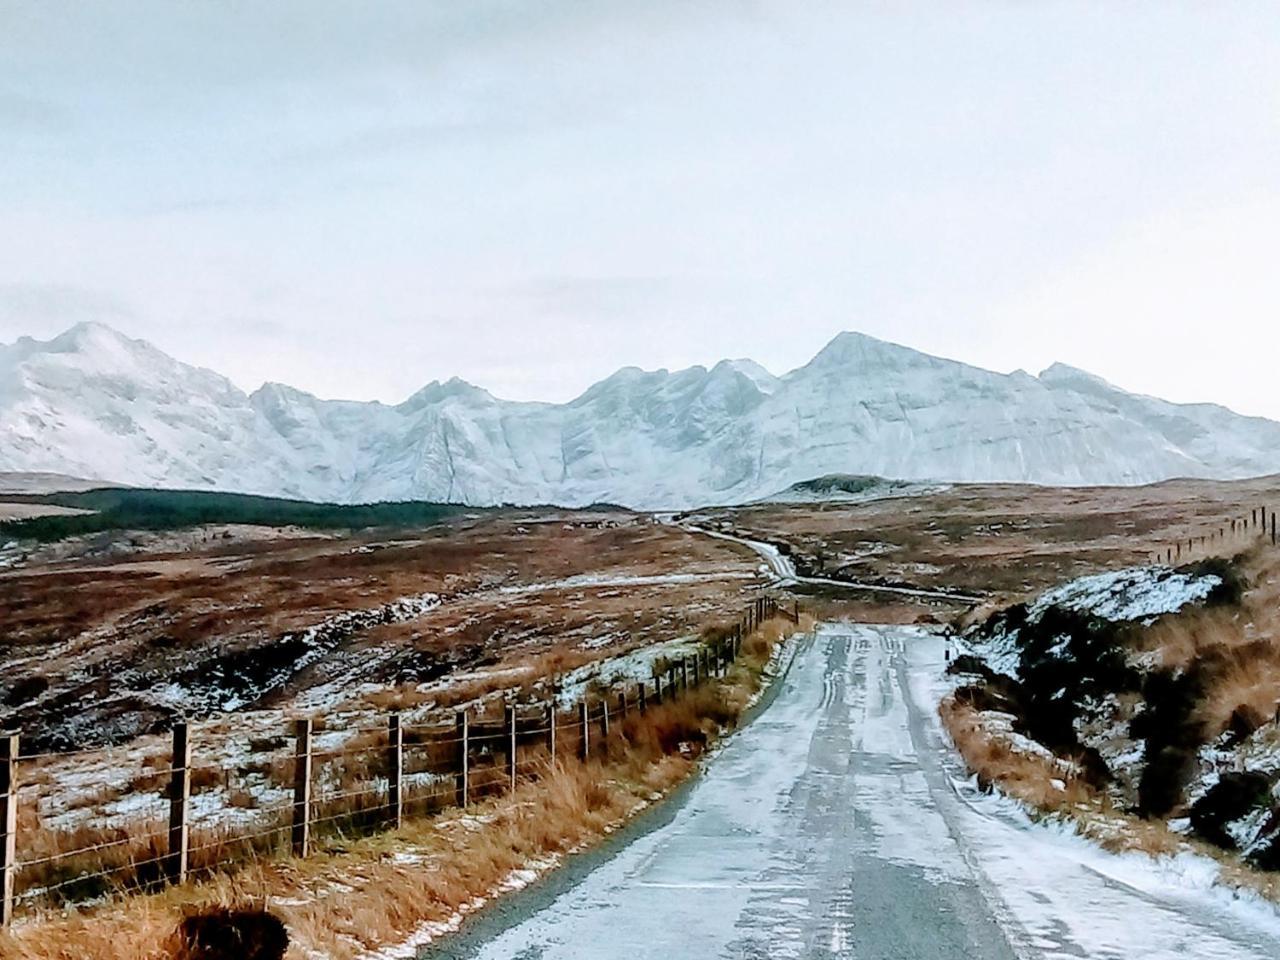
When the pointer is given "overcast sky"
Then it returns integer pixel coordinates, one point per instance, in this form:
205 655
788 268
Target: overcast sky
359 198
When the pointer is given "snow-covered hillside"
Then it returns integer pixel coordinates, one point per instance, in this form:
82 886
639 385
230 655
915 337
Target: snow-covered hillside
94 403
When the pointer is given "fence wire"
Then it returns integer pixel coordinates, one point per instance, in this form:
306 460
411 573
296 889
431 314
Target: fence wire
483 779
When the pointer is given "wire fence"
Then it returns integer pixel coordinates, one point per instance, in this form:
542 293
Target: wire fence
176 818
1235 533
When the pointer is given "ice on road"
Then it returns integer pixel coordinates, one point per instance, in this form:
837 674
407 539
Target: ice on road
831 827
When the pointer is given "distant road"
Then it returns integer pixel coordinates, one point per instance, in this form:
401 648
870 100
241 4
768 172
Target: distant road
832 827
785 571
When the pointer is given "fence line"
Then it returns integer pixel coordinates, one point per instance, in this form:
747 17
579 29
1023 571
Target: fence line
1258 525
475 758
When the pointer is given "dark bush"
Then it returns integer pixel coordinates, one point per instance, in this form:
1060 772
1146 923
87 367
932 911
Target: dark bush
1232 797
968 664
1233 580
25 690
1245 719
1266 853
984 697
1065 657
1173 737
220 933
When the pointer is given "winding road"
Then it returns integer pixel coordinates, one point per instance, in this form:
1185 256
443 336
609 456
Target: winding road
785 574
836 826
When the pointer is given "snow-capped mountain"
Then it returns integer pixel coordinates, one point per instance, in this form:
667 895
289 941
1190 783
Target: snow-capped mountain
94 403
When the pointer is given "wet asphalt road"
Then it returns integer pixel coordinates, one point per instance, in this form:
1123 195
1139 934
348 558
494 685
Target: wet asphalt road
778 850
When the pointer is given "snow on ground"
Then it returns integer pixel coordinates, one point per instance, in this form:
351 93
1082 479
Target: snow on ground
102 788
633 667
1132 594
321 639
1135 593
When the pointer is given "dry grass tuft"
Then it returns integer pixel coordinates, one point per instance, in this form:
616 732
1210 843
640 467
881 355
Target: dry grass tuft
1042 782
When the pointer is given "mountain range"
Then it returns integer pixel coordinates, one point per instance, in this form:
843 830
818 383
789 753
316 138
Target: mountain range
95 403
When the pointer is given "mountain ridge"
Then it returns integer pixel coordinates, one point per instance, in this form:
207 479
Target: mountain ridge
92 402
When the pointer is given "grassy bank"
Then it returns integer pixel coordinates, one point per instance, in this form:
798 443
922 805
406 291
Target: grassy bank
1159 734
356 896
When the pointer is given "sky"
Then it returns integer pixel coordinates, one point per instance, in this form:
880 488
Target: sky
356 199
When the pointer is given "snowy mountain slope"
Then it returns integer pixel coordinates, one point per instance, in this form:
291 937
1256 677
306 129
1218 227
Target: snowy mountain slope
94 403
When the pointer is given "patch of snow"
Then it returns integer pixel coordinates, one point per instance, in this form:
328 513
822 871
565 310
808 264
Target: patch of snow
1135 593
632 667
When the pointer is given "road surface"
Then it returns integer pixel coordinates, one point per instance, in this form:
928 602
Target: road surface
832 827
784 572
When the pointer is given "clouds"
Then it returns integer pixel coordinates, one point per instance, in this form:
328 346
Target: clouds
362 198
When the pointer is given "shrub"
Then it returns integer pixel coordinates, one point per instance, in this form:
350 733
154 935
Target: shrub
1233 796
223 933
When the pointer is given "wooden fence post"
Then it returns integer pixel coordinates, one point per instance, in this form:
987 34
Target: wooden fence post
510 725
9 743
697 679
551 729
302 789
604 721
462 733
179 803
657 689
622 704
395 772
684 673
1273 528
584 716
641 695
671 681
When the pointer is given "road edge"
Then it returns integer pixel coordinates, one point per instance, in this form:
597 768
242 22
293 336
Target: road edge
511 909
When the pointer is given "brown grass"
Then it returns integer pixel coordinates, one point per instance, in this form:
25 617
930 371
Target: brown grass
1235 648
1027 777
